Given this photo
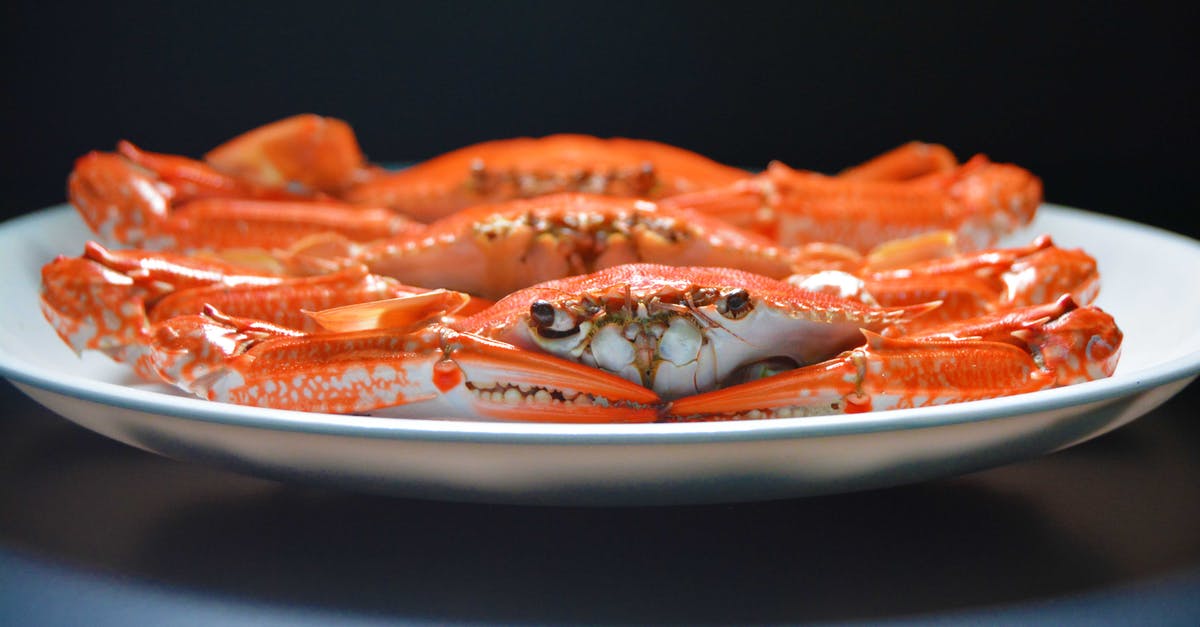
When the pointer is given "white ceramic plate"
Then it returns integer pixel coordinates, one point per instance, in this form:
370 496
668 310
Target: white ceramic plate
1159 311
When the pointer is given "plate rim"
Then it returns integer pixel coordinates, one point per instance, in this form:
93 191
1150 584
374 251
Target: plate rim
414 429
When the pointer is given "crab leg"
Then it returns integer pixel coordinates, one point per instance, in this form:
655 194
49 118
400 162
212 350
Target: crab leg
987 282
431 371
107 300
98 301
967 284
231 223
1020 351
188 179
905 162
150 200
980 201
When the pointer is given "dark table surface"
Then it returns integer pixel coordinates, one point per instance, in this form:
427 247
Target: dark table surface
96 532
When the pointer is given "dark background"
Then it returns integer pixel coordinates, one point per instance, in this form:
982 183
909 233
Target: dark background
1098 99
1095 98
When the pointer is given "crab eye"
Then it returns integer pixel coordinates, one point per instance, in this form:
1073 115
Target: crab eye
735 304
542 313
551 323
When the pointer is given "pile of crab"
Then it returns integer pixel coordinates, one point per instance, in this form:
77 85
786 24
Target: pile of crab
570 279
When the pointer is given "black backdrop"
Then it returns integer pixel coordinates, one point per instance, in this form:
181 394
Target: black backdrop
1098 100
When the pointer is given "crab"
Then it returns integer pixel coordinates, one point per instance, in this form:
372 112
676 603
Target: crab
281 272
306 175
633 343
636 342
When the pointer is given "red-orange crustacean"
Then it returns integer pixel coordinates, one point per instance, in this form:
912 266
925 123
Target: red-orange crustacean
618 300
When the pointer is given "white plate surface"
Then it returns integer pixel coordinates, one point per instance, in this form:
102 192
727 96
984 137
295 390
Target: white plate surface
1151 284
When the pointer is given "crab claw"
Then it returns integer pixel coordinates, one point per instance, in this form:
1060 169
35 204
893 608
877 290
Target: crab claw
118 200
318 153
513 384
904 162
76 295
1082 345
883 374
1074 343
1022 350
430 372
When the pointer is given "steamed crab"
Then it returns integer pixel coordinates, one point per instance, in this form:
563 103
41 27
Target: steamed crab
584 329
